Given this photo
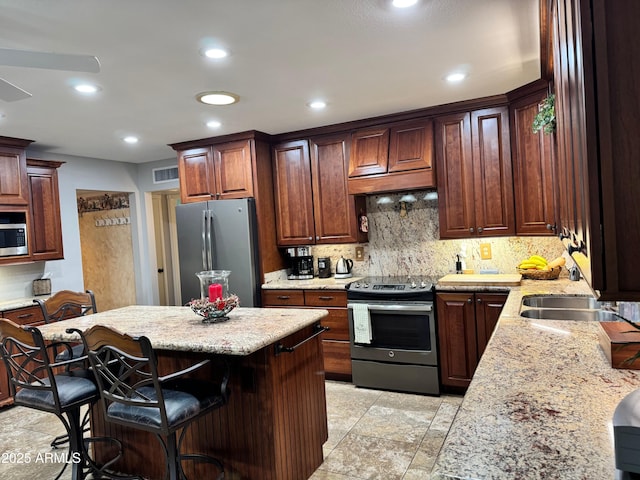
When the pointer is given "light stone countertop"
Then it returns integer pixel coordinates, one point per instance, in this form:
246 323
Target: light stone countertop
179 329
20 302
311 284
541 401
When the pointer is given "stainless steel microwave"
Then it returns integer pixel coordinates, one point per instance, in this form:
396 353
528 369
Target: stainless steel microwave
13 239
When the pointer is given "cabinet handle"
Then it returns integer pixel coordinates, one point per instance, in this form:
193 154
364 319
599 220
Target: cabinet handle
310 238
325 298
468 300
471 230
25 315
317 237
480 229
479 300
283 297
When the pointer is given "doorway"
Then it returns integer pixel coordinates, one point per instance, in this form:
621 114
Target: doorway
107 247
165 242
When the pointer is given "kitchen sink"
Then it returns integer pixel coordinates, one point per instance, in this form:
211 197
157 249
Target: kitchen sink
561 301
567 314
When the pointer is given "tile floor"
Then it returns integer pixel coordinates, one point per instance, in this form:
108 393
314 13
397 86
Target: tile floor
372 435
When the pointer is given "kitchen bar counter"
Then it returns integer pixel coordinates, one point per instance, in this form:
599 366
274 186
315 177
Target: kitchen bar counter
541 401
311 284
275 422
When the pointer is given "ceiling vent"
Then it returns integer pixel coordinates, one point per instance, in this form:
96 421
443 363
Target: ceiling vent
166 174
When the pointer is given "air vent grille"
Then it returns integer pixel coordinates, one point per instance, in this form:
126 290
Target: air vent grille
163 175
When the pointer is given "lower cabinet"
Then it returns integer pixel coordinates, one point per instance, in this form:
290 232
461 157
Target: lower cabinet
21 316
335 342
465 323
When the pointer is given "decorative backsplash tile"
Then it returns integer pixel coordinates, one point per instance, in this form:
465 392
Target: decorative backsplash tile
405 240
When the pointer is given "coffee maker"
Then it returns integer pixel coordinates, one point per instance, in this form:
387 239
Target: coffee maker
300 264
324 267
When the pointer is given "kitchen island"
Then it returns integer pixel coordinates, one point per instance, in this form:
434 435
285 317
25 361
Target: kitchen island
275 423
541 401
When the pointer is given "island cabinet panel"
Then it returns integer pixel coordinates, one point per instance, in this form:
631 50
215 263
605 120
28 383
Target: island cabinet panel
272 428
391 158
475 183
533 178
465 324
13 172
45 240
5 393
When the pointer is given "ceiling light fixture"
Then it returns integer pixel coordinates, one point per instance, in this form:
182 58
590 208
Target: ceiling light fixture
403 3
217 98
317 104
86 88
216 53
214 124
131 139
455 77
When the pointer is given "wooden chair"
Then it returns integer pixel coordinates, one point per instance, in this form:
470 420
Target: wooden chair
135 395
34 383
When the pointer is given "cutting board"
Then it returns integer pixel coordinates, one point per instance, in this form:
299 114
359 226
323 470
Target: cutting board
493 279
619 341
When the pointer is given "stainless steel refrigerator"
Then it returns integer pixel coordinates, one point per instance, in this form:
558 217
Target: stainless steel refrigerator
219 235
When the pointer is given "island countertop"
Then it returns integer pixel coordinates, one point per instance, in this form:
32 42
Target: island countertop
180 329
541 401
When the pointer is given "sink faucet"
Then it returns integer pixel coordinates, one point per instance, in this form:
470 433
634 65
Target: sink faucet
574 274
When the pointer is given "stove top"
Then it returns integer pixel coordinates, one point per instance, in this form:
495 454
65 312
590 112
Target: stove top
383 287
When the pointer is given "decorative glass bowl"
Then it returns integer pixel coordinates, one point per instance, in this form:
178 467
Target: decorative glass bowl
216 311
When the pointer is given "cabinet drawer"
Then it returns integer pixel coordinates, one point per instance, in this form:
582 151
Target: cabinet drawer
25 316
275 298
325 298
337 323
337 357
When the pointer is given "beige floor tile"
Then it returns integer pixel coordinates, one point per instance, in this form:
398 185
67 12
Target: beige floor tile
407 426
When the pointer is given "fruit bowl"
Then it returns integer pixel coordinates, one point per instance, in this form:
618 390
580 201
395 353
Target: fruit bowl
216 311
533 274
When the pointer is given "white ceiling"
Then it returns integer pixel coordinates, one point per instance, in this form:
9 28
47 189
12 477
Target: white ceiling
365 58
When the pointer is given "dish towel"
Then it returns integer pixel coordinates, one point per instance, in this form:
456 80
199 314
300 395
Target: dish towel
361 324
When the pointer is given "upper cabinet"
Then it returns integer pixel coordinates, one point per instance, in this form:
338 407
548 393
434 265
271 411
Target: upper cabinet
216 172
313 205
45 234
596 61
391 158
14 189
475 183
534 186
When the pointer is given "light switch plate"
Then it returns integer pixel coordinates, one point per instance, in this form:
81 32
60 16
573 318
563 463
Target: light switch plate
359 254
485 251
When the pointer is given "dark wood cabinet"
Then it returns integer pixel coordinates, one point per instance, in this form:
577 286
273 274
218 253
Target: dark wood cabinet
14 189
534 184
45 234
313 205
216 172
335 341
465 324
391 158
475 184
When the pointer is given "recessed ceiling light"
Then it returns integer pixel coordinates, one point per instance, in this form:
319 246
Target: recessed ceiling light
318 104
86 88
455 77
403 3
214 124
216 53
131 139
217 98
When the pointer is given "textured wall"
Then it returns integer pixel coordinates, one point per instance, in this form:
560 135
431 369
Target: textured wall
410 244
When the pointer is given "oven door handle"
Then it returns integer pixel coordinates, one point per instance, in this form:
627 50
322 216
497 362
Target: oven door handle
396 308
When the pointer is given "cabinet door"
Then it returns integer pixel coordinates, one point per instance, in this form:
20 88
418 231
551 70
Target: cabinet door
411 147
195 169
369 152
493 179
293 197
25 316
283 298
45 239
533 180
488 308
334 210
454 170
457 338
14 189
233 169
337 359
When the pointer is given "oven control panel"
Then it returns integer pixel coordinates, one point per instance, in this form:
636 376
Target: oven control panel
386 287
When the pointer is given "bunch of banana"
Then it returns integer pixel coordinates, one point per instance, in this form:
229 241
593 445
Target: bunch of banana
536 262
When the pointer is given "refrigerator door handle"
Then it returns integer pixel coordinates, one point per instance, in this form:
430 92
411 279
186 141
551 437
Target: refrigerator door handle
204 239
209 245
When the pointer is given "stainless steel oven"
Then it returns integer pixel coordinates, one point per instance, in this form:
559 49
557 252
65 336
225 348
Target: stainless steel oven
393 334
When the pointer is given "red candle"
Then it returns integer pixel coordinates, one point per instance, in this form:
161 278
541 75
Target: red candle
215 292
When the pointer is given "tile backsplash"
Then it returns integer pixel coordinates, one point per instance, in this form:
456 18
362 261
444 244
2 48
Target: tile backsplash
407 242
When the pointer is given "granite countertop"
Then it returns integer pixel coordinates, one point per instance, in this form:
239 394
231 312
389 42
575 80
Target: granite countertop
311 284
178 328
541 401
20 302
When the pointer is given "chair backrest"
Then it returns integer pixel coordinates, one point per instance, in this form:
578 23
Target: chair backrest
67 304
125 369
27 360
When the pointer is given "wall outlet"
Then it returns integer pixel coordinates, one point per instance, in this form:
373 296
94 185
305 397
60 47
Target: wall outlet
359 254
485 251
